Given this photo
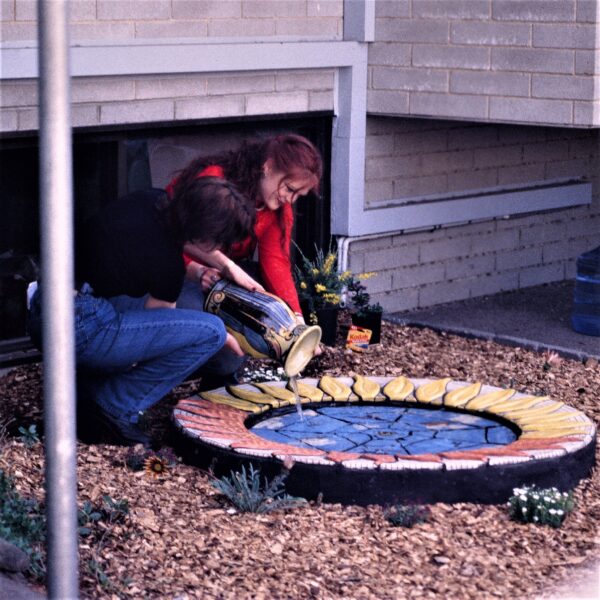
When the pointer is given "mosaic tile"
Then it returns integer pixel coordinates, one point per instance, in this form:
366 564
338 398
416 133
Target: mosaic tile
432 391
336 389
399 388
365 389
460 396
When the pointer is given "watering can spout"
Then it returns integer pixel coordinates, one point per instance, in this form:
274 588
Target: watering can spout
264 325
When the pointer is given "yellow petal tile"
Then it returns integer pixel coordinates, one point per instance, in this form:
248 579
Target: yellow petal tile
517 404
233 402
433 390
485 401
338 390
550 407
398 388
280 393
557 418
461 396
308 393
366 389
252 396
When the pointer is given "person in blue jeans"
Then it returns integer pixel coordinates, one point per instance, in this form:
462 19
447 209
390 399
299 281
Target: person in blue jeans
132 344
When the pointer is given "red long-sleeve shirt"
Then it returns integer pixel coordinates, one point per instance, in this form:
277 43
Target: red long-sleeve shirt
273 249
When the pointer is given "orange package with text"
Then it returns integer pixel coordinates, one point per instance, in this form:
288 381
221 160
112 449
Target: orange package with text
358 338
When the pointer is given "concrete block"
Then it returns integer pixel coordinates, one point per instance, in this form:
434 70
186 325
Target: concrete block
320 100
494 283
7 10
524 174
389 167
391 258
276 103
464 268
438 293
380 101
86 115
423 80
209 107
533 10
447 105
392 8
102 31
447 248
418 238
172 29
239 83
318 79
206 9
367 245
517 259
389 53
413 31
356 261
143 111
381 125
379 145
331 8
489 82
514 134
133 10
419 142
586 113
563 250
575 168
490 33
541 274
175 86
26 10
379 283
581 37
8 119
273 8
327 28
498 241
587 11
545 151
13 32
472 136
455 57
531 110
446 162
587 62
535 60
241 27
378 190
472 179
18 93
451 9
104 89
584 147
498 157
398 300
410 187
416 276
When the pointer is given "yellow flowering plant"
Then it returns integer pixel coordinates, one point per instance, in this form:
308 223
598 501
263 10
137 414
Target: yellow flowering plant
319 283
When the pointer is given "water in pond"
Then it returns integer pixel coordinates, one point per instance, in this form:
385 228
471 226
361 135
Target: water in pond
380 429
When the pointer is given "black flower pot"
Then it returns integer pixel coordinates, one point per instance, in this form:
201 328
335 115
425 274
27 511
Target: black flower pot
327 320
370 321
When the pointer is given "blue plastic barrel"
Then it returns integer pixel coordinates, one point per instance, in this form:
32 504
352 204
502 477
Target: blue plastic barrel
586 310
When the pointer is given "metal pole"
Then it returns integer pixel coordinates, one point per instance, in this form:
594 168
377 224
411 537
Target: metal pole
56 218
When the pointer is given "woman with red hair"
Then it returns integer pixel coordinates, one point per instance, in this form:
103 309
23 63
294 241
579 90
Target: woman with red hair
273 173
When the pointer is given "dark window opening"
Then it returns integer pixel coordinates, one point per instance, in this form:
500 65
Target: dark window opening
110 163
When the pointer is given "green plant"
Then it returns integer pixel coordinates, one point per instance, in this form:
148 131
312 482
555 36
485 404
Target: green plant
319 283
22 523
243 489
29 436
543 506
407 515
359 298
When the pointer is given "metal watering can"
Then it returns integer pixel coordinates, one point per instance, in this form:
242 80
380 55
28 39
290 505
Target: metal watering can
264 325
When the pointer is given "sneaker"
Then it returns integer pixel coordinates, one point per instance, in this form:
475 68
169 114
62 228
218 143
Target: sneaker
96 426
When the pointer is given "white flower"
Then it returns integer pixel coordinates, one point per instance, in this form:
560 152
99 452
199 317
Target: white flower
560 512
523 498
524 510
535 519
552 511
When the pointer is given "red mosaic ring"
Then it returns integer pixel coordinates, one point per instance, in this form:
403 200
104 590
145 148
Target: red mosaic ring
554 445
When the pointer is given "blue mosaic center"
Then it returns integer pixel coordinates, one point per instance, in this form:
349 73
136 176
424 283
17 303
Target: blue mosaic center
384 430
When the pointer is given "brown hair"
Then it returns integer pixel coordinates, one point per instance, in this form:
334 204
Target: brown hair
209 210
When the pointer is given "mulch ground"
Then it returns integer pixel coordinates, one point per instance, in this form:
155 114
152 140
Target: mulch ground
181 539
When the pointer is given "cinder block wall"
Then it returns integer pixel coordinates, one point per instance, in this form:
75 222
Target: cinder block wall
414 157
130 19
528 61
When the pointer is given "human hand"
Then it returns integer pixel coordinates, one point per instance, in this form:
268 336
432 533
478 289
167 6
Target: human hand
233 345
236 274
208 278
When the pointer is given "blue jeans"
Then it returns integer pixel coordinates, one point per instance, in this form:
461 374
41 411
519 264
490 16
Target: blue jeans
128 357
